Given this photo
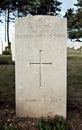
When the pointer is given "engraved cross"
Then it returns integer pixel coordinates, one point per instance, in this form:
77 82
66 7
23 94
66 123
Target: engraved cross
40 66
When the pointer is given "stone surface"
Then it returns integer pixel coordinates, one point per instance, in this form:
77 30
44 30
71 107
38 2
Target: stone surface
5 44
1 47
40 56
13 49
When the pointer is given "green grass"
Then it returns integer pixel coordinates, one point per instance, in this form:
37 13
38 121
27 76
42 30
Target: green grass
11 127
7 80
55 123
74 76
6 59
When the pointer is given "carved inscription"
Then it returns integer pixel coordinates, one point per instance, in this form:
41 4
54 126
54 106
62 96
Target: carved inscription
40 36
41 31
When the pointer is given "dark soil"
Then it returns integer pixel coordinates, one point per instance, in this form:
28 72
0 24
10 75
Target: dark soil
8 117
74 118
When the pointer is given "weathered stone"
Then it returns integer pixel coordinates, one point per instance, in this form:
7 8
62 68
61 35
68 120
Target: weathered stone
40 56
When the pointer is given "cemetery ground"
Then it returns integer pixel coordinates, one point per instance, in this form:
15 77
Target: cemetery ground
74 94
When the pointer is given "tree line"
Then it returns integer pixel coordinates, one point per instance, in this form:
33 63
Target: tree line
19 8
74 21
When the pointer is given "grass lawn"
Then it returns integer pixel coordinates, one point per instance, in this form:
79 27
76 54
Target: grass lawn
7 80
74 77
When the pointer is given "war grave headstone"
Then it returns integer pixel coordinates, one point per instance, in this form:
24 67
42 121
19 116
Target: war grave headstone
13 49
40 57
1 47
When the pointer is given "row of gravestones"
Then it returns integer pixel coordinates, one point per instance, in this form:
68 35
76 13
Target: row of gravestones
3 45
74 45
40 64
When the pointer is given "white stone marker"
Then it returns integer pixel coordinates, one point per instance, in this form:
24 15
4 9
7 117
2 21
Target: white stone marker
1 47
40 56
75 45
5 44
13 49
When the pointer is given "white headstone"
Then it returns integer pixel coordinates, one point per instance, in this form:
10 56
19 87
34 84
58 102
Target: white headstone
40 56
75 45
5 44
13 49
1 47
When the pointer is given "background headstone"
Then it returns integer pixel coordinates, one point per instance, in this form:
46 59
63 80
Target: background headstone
13 49
74 45
5 44
40 56
1 47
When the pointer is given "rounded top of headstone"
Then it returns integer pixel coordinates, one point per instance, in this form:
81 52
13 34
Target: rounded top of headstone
41 16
